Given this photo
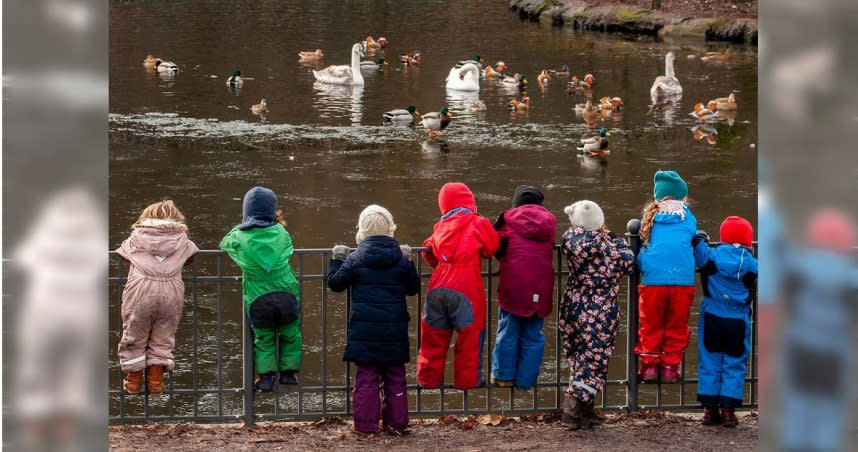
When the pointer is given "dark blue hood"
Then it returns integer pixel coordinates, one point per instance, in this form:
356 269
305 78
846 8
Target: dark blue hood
379 251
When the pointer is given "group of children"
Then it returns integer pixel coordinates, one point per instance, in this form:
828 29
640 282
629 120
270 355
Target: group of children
380 275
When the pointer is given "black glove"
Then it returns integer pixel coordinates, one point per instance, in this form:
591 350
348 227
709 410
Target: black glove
700 236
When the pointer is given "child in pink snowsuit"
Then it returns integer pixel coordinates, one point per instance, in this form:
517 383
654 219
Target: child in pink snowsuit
152 299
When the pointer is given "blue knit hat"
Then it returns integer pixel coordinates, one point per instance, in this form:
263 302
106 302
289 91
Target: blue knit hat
668 183
259 208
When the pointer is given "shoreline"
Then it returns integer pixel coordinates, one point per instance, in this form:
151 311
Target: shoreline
612 18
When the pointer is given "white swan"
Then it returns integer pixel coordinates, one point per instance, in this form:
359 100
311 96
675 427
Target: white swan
466 78
666 86
343 74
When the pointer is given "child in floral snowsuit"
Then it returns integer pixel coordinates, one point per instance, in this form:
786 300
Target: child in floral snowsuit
589 314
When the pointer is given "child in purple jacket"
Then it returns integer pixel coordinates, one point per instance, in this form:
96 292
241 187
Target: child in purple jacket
525 288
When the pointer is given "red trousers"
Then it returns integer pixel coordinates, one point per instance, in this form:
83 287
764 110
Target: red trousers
663 333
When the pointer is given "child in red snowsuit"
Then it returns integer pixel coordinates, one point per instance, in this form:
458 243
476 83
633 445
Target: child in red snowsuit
456 297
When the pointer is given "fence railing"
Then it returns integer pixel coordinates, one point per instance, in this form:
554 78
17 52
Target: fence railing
213 379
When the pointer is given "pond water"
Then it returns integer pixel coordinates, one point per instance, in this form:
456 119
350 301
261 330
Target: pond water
326 153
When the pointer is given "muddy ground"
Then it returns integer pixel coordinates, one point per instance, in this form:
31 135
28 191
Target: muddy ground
639 431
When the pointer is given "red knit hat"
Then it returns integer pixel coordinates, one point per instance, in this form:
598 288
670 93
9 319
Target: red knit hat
830 228
736 230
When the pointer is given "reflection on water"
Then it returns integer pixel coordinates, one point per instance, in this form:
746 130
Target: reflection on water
459 102
433 146
339 101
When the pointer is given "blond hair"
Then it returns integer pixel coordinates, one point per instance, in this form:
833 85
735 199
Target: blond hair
166 211
646 223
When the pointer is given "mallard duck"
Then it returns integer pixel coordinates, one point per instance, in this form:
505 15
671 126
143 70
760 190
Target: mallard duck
464 78
150 62
343 74
543 78
727 103
516 104
317 55
562 72
705 112
703 131
518 80
590 113
259 108
379 63
235 80
437 121
611 103
478 105
717 56
597 144
476 61
585 83
666 86
401 114
412 59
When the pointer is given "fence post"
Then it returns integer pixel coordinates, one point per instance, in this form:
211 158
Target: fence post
633 228
249 373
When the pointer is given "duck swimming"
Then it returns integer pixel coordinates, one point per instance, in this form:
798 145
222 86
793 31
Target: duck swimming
726 103
516 104
401 114
412 59
611 103
317 55
436 122
343 74
379 63
585 83
590 113
259 108
543 78
717 56
666 86
702 112
478 105
235 81
595 145
562 72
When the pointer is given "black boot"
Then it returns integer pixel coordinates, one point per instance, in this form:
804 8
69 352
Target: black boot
288 377
728 415
711 416
573 413
589 412
265 382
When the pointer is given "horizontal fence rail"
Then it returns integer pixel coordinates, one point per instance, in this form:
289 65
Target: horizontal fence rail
214 374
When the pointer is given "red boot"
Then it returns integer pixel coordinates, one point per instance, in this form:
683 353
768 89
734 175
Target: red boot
729 417
670 374
711 416
648 372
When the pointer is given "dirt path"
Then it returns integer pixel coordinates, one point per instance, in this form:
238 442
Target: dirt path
640 431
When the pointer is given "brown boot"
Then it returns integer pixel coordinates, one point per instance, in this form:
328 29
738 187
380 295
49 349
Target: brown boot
728 415
155 380
711 416
133 382
589 412
573 413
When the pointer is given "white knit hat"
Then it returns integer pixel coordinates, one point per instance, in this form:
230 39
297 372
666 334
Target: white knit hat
374 220
585 214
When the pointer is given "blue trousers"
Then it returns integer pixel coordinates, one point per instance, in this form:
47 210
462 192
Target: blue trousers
518 349
724 345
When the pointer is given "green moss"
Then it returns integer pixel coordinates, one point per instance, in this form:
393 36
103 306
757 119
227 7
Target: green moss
626 15
542 7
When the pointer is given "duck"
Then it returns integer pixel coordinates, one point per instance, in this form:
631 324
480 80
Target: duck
259 108
585 83
590 113
518 80
726 103
595 145
666 86
516 104
543 78
562 72
343 74
317 55
611 103
235 81
717 56
476 60
401 114
437 121
412 59
478 105
500 66
464 78
370 43
379 63
490 72
704 112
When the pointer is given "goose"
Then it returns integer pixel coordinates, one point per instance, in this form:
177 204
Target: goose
437 121
465 78
476 61
235 80
259 108
379 63
596 144
666 86
702 112
343 74
317 55
717 56
726 103
611 103
401 114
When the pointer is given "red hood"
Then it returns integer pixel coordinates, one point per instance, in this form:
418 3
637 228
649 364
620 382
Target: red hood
455 194
532 221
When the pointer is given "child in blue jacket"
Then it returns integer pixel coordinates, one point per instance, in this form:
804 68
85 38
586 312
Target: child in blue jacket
728 274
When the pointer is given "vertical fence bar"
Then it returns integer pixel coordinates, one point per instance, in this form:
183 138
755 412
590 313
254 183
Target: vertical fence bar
348 365
301 375
325 333
219 337
633 228
419 317
487 372
194 302
119 312
249 371
754 338
557 342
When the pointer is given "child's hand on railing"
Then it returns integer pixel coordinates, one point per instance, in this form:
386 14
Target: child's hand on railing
406 251
340 252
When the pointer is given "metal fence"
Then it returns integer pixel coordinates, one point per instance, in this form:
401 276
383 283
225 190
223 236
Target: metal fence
200 390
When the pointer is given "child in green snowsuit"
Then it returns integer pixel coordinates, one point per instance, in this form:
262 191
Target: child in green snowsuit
262 247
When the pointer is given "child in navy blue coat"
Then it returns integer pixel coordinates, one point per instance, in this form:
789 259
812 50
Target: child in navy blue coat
728 273
380 274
